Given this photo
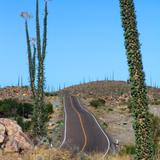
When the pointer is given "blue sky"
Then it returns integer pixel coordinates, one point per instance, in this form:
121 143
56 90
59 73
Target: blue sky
85 41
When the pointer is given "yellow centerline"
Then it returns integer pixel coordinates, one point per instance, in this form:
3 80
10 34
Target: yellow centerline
80 119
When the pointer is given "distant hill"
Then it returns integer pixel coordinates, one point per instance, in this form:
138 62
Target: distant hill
112 91
14 92
115 91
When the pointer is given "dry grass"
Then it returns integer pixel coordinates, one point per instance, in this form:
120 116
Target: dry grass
100 157
57 154
121 158
49 154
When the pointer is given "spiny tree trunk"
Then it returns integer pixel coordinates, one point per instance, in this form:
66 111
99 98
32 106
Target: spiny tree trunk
142 122
37 82
39 116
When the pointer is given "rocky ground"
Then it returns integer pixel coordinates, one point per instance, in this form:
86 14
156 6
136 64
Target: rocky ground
117 120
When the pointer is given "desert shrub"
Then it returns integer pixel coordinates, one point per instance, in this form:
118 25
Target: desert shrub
60 123
4 109
110 109
51 94
49 108
97 102
13 108
127 150
24 109
156 131
25 125
11 102
26 87
105 125
8 107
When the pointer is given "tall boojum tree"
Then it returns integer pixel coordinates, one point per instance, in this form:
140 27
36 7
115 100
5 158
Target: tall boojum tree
36 74
139 102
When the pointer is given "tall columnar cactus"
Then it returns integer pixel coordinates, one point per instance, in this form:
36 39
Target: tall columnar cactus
142 122
40 117
36 74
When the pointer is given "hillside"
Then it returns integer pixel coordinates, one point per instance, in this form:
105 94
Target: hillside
21 93
114 92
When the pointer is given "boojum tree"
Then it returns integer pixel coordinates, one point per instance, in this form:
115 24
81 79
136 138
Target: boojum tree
36 57
139 103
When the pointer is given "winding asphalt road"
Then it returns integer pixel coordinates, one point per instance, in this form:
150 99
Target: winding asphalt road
82 132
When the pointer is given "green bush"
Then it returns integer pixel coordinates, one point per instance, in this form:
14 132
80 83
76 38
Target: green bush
128 149
60 123
12 108
26 125
25 109
97 102
156 131
51 94
110 109
4 109
49 108
8 107
105 125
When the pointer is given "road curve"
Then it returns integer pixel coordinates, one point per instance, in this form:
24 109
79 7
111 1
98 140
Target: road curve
82 131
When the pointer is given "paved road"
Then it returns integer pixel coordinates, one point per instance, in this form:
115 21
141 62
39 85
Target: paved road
82 131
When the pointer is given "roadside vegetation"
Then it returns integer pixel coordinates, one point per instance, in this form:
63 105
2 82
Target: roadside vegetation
46 153
97 102
21 112
156 134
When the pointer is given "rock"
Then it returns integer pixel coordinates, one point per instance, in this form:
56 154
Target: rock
23 141
11 126
2 133
11 146
13 139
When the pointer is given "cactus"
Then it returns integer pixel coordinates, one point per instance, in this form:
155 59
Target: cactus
36 74
142 122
